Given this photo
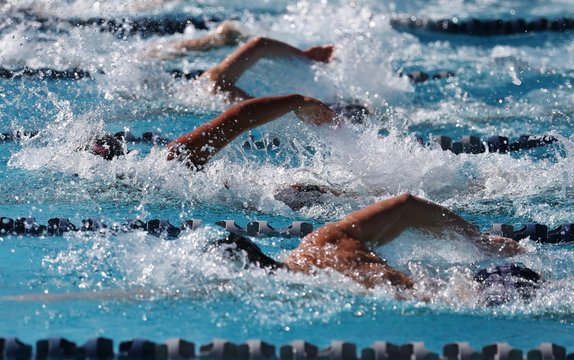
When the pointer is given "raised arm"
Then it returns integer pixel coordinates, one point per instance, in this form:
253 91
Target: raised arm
226 73
381 222
198 146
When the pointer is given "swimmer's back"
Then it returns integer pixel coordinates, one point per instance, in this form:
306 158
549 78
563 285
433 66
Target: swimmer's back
332 247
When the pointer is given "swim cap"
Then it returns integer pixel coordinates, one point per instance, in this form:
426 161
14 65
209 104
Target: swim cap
354 112
236 245
502 283
107 146
300 195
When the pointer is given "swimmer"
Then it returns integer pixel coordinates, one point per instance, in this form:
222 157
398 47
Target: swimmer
227 34
347 246
196 148
225 74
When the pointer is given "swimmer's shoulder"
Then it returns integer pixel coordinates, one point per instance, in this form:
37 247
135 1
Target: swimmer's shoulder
333 236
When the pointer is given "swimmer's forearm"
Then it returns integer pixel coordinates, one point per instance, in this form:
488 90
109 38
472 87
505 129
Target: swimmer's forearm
233 66
387 219
262 47
205 43
205 141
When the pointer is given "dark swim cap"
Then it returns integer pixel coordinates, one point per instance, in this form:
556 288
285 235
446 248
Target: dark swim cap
300 195
354 112
107 146
237 245
502 283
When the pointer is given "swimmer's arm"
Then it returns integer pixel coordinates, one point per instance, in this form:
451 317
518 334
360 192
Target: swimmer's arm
179 48
198 146
233 66
382 222
208 42
226 34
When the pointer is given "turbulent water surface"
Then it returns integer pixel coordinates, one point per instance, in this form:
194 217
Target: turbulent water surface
132 284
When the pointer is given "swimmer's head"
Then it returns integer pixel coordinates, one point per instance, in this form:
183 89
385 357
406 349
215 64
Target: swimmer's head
107 146
231 33
502 283
298 196
354 112
240 247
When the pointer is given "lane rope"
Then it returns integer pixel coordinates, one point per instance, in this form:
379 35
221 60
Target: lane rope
482 27
415 77
102 348
58 226
120 27
28 226
474 145
467 144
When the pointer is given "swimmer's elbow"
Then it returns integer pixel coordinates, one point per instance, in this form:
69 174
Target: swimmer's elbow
258 41
407 198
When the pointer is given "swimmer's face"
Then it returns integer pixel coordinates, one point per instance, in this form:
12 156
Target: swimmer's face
503 283
107 147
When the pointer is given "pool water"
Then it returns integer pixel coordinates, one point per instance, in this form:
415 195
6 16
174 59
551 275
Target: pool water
124 285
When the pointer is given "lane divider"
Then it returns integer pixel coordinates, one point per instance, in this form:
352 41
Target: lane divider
536 232
121 27
467 144
474 145
418 77
45 73
157 227
483 27
80 74
564 233
219 349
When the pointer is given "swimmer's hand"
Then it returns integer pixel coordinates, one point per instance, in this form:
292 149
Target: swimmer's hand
165 51
313 111
227 33
499 245
320 53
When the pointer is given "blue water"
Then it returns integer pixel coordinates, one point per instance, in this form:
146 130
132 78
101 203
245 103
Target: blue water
127 285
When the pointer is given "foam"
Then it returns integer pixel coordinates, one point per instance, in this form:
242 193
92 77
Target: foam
355 160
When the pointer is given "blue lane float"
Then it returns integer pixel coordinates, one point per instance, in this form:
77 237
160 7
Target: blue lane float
80 74
256 349
45 73
418 77
467 144
564 233
500 144
55 348
157 227
482 27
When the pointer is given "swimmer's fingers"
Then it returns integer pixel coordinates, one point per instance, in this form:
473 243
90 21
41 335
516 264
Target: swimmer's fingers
230 33
320 53
165 51
314 116
501 246
315 112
